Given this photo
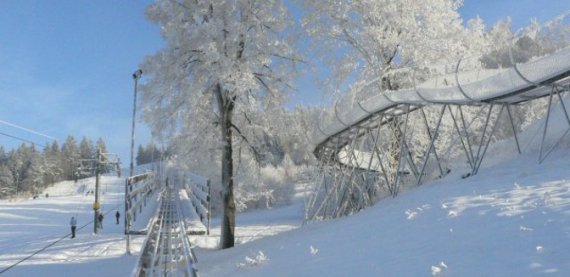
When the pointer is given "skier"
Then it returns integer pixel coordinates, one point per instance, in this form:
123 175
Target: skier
117 216
73 223
101 220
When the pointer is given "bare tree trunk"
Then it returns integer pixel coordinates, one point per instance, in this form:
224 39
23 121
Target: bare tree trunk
394 155
226 106
394 147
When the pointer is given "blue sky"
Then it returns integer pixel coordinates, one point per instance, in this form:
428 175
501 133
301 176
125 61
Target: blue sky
66 65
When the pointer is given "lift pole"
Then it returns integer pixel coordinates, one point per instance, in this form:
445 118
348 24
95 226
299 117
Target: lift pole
96 205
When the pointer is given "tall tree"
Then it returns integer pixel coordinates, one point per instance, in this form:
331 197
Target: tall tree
53 170
32 177
3 156
223 59
86 149
71 156
6 185
141 155
152 153
366 42
371 45
16 166
101 145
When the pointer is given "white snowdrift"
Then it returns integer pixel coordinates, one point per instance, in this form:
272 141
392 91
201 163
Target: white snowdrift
510 220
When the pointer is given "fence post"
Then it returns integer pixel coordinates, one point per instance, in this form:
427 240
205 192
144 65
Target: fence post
209 207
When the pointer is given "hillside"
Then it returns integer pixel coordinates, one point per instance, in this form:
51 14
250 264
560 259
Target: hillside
29 225
509 220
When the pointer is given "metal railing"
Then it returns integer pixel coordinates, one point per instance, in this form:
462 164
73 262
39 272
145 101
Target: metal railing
199 190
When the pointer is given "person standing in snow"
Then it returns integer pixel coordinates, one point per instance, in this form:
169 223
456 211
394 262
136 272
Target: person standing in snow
100 220
117 216
73 223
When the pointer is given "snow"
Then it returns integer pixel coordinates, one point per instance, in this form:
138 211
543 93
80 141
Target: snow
28 225
512 219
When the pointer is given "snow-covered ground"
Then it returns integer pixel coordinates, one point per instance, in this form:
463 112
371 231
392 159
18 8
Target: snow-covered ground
512 219
509 220
28 225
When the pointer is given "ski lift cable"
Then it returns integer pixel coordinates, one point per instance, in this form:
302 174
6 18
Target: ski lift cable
22 139
54 242
26 129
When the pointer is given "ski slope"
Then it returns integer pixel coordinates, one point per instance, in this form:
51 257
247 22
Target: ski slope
512 219
28 225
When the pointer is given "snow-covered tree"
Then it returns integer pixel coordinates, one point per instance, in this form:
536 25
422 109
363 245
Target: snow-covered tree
6 185
367 43
71 155
223 59
51 163
101 145
141 155
148 154
372 46
32 171
86 149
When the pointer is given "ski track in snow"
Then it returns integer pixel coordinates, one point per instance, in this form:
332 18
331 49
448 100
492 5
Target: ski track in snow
509 220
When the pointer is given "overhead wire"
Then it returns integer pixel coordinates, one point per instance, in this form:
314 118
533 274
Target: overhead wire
22 139
27 130
53 243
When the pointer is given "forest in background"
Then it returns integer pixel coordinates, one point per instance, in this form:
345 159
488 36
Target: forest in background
26 170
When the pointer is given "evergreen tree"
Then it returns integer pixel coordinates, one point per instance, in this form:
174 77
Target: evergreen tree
51 162
141 155
101 145
152 153
6 183
26 170
86 149
32 177
71 156
3 157
15 164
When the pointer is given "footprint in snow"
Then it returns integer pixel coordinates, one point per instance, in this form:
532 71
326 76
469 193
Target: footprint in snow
439 269
313 250
526 229
411 214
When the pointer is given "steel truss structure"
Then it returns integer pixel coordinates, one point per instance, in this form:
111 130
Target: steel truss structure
356 158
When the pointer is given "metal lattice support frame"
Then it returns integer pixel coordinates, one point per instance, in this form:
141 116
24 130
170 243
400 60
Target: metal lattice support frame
354 166
555 90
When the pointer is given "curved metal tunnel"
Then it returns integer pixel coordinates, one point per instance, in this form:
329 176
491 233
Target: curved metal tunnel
355 155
